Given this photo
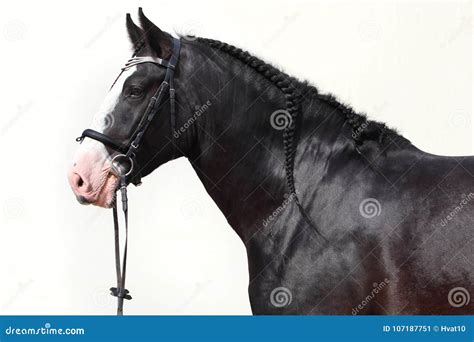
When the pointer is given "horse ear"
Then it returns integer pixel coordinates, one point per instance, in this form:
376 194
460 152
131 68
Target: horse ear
135 33
158 40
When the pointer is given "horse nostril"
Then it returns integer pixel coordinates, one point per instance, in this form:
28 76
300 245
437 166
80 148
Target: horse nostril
80 182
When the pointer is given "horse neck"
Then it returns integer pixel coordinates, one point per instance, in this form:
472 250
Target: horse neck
232 145
240 157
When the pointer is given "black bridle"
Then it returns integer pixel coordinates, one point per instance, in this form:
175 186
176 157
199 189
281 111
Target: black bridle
127 154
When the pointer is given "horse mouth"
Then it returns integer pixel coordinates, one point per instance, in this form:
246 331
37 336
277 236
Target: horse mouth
106 195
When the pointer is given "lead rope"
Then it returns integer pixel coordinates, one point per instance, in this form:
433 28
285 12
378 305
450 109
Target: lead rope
128 153
120 291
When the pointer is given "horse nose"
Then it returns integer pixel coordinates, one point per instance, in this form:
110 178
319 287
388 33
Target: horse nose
79 184
89 178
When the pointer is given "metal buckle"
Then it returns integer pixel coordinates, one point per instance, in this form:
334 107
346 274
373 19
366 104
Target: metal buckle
116 160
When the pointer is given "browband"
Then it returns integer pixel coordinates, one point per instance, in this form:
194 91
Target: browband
139 60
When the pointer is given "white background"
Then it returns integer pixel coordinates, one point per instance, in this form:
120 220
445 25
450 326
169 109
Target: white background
405 63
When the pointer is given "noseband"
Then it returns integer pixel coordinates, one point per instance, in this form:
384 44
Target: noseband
127 155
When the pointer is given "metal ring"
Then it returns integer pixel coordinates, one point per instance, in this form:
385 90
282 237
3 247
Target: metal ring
116 159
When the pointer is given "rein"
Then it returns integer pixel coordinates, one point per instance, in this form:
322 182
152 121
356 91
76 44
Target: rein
127 156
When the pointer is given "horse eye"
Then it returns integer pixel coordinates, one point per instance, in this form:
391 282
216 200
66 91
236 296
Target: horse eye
135 92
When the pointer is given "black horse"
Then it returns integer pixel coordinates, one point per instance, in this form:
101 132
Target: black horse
339 214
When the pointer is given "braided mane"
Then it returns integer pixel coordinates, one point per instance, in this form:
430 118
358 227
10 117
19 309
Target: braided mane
285 84
294 91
